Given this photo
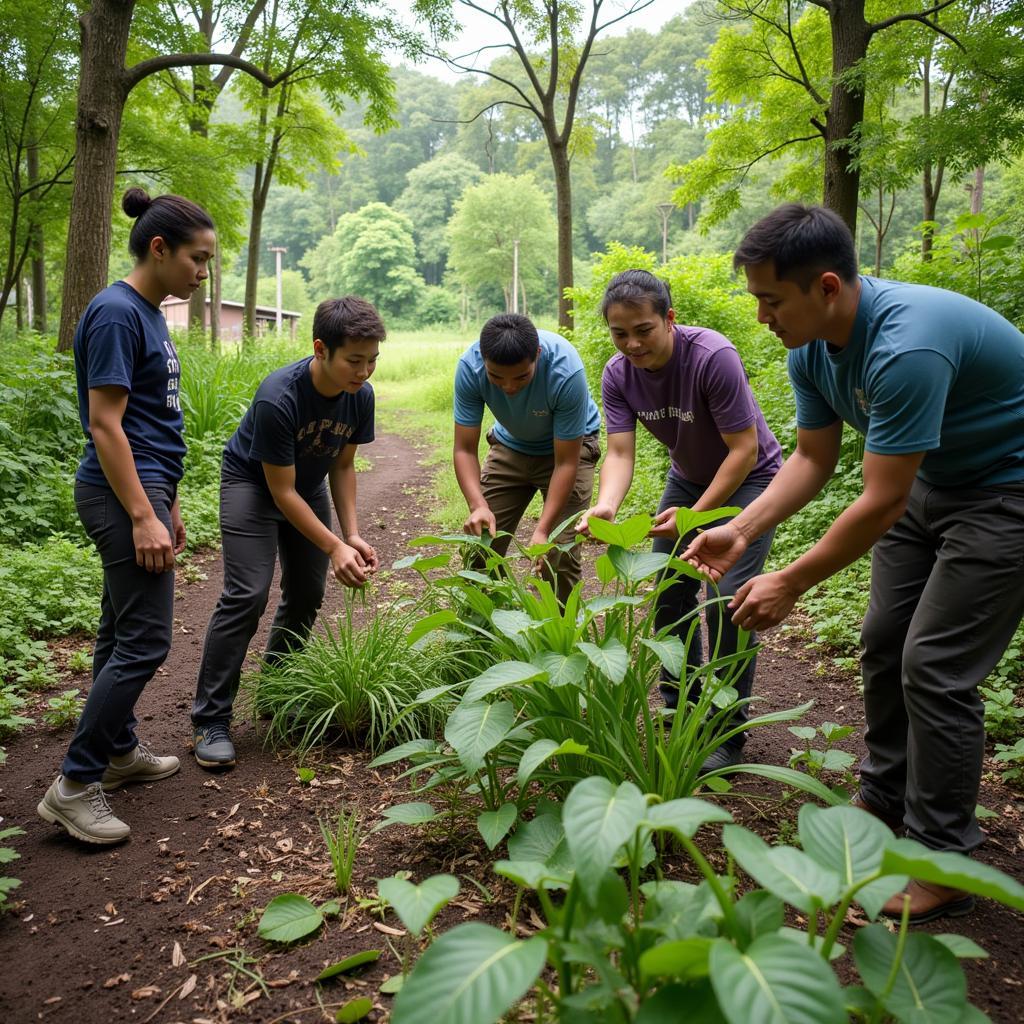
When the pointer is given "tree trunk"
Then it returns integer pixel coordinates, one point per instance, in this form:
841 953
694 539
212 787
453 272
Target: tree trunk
252 262
563 216
102 93
215 300
978 189
846 109
38 266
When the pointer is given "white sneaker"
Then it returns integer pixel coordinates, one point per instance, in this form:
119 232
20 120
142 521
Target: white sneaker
86 815
146 767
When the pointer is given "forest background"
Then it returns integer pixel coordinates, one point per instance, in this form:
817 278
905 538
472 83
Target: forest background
448 180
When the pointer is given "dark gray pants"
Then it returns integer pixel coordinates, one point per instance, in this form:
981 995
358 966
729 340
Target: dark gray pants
134 635
946 597
681 598
254 533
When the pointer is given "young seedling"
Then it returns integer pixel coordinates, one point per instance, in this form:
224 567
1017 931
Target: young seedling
343 839
64 710
416 906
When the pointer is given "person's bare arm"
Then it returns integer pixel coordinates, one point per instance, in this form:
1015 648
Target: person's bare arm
348 565
615 478
766 600
154 548
802 476
735 468
466 456
342 479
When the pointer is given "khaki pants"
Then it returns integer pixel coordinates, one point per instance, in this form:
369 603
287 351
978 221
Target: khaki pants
510 479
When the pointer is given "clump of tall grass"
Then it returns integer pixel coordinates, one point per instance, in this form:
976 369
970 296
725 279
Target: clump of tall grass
351 683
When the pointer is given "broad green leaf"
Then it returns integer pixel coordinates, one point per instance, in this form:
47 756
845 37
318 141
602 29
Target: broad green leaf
907 857
431 694
416 905
929 985
684 816
636 566
532 874
597 605
850 842
803 732
775 982
449 538
670 652
687 519
664 1006
422 563
511 623
389 986
788 873
834 732
438 620
413 813
625 534
961 947
368 956
788 777
759 913
683 959
471 975
353 1010
612 660
494 825
598 819
562 669
837 951
476 728
497 677
289 917
604 569
541 839
533 757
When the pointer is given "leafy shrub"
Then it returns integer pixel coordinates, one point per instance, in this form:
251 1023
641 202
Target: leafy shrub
436 306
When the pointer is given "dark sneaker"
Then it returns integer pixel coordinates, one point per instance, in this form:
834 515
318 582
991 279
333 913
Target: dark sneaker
887 818
213 747
726 756
929 901
146 767
86 815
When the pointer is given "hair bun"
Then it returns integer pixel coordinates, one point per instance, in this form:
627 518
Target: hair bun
136 202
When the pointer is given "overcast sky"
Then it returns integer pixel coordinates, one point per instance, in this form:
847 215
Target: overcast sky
480 30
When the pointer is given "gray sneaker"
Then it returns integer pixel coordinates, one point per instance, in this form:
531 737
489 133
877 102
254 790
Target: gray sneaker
213 747
146 767
86 815
726 756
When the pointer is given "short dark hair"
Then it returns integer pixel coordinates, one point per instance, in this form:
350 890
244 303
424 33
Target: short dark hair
174 218
509 338
634 288
802 242
349 318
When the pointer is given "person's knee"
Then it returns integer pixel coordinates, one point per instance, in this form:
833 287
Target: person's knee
880 637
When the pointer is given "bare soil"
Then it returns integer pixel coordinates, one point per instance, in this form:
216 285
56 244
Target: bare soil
160 928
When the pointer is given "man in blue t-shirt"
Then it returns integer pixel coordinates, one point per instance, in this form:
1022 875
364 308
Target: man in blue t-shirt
935 382
545 438
299 435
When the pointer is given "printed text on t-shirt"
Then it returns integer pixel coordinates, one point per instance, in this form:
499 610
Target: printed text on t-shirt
667 413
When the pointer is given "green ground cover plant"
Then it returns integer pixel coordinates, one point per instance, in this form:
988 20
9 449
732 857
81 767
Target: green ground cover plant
623 943
565 692
7 855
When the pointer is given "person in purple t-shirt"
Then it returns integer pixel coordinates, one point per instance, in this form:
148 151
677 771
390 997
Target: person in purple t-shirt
687 386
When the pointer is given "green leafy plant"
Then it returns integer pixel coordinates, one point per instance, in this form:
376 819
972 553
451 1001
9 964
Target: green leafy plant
305 775
352 683
80 660
819 762
1013 758
566 692
11 720
288 918
342 839
416 906
63 710
7 855
1004 718
621 948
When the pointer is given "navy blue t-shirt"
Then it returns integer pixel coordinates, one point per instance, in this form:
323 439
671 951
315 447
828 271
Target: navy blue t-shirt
291 424
122 340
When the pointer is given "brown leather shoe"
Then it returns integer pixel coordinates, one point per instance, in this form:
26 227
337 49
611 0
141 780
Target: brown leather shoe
896 824
929 901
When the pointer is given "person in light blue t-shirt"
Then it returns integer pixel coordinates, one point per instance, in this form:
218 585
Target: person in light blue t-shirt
545 437
935 382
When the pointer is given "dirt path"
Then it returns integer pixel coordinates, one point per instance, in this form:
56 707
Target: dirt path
115 935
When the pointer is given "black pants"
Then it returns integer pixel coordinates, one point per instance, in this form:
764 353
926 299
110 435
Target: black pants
134 636
681 598
254 533
946 598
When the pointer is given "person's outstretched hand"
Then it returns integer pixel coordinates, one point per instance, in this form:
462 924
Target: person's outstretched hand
716 551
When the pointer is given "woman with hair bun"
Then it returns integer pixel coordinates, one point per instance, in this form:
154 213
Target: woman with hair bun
126 494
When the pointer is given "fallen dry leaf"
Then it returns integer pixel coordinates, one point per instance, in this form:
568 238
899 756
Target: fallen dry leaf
116 980
189 987
111 909
177 957
387 930
146 992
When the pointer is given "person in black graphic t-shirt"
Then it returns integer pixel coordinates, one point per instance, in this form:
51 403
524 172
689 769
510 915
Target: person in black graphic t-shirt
299 435
126 493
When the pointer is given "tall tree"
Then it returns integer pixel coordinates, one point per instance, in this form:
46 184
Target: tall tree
37 43
566 29
778 42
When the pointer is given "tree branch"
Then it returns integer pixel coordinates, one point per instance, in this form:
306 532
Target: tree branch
922 16
480 113
240 43
745 168
145 68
